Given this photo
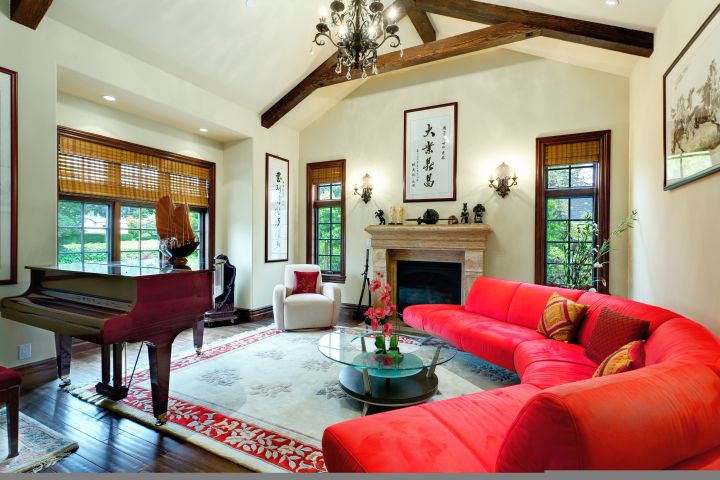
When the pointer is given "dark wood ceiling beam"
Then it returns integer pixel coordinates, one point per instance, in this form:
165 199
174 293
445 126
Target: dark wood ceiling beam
420 21
609 37
29 12
325 75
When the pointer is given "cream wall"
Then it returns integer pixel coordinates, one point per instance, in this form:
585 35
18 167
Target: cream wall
506 100
37 56
674 251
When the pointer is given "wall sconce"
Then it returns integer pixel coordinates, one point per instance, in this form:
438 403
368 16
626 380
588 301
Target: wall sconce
367 187
505 178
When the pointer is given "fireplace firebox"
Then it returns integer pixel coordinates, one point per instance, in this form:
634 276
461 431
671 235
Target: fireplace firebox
421 282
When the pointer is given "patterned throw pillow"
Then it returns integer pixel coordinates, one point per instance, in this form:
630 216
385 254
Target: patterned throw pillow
612 331
305 282
628 357
561 318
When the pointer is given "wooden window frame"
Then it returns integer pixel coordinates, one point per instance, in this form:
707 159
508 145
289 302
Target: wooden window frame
311 203
601 193
208 213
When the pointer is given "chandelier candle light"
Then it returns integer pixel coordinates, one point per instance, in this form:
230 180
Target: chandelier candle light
358 31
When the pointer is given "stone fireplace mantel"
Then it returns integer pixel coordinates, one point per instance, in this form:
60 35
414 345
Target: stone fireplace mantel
461 243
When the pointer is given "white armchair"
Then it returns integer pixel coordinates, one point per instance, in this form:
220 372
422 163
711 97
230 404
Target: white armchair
305 310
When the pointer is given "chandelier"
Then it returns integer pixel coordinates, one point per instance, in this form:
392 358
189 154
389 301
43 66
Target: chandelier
358 31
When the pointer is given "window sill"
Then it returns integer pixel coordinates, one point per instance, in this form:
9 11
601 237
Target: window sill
333 278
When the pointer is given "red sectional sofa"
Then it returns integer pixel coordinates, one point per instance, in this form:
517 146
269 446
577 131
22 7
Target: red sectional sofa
665 415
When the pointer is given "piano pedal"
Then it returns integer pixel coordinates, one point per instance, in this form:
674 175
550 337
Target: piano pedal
113 393
161 420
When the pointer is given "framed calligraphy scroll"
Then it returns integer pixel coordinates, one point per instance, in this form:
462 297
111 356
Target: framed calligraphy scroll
430 153
277 183
8 177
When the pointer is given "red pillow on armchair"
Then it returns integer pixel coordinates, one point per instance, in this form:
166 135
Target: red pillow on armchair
305 282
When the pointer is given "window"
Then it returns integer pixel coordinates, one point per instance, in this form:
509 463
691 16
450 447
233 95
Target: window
108 189
573 191
83 232
326 218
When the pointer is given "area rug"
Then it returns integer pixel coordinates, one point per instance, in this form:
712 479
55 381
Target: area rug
262 399
40 447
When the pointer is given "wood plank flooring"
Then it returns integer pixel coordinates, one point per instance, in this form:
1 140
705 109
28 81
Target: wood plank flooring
111 443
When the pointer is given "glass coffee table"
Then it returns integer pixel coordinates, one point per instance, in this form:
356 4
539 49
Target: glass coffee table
377 379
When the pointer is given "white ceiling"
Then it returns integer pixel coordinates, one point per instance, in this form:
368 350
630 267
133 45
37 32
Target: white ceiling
254 55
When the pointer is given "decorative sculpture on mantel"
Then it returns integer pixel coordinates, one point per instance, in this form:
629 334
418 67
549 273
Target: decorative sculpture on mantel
479 211
380 215
464 215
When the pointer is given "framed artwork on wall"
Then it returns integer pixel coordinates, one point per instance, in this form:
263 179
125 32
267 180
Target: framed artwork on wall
691 123
277 183
430 153
8 177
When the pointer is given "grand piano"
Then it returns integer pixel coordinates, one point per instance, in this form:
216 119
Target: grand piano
112 304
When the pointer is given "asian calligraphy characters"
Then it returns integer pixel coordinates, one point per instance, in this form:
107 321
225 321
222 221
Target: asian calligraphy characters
429 164
277 209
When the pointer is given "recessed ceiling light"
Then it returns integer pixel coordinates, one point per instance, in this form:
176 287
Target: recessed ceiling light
109 98
203 130
612 3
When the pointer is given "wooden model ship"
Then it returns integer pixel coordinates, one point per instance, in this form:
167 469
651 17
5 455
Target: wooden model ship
177 238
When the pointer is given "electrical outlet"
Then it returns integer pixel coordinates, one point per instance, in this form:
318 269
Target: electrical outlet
24 351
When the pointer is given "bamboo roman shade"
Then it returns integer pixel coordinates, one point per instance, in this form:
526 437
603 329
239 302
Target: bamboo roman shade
332 173
572 153
91 169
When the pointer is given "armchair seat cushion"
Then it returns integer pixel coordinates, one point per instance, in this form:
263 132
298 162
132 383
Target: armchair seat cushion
306 308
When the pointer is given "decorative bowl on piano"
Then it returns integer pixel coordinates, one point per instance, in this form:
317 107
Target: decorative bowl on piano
177 237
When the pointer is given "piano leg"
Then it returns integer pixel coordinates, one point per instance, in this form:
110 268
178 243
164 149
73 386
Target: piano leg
63 349
159 356
198 331
116 391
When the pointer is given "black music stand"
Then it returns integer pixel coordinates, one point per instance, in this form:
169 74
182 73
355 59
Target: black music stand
366 283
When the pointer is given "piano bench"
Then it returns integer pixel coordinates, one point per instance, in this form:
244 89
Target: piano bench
10 396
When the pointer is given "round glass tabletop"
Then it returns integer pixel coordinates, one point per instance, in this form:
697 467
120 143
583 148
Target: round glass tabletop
416 353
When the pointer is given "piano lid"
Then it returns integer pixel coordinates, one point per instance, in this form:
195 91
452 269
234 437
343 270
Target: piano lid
119 269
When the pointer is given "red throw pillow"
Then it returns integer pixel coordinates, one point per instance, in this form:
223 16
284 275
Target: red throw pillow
628 357
612 331
305 282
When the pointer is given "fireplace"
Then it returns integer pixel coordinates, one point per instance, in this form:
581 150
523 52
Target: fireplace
428 282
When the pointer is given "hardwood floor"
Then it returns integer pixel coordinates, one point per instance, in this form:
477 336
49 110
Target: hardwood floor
109 442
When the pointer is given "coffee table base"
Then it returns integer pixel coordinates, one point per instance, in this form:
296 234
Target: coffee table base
388 392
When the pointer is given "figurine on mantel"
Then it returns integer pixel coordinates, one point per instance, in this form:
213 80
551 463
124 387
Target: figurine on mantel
452 220
479 211
380 215
465 215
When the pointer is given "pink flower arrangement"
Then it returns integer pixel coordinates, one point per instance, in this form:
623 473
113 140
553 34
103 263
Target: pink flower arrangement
380 315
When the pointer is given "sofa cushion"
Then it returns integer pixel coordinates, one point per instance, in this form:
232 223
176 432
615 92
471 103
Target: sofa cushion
546 350
549 373
491 297
655 315
612 331
461 434
452 325
626 358
683 340
561 318
603 423
496 341
415 315
529 301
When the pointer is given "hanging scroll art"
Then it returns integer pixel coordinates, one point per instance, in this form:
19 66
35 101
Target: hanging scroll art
277 172
430 153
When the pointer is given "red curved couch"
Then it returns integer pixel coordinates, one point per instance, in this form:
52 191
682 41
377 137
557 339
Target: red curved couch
665 415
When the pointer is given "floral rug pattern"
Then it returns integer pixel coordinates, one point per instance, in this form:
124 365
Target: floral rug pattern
262 399
40 447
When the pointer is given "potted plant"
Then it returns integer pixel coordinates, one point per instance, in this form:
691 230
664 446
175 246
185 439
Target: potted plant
386 340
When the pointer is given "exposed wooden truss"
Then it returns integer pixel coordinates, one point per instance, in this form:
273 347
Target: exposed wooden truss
29 12
508 25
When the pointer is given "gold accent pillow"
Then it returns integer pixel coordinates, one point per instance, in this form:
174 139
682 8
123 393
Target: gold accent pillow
561 318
